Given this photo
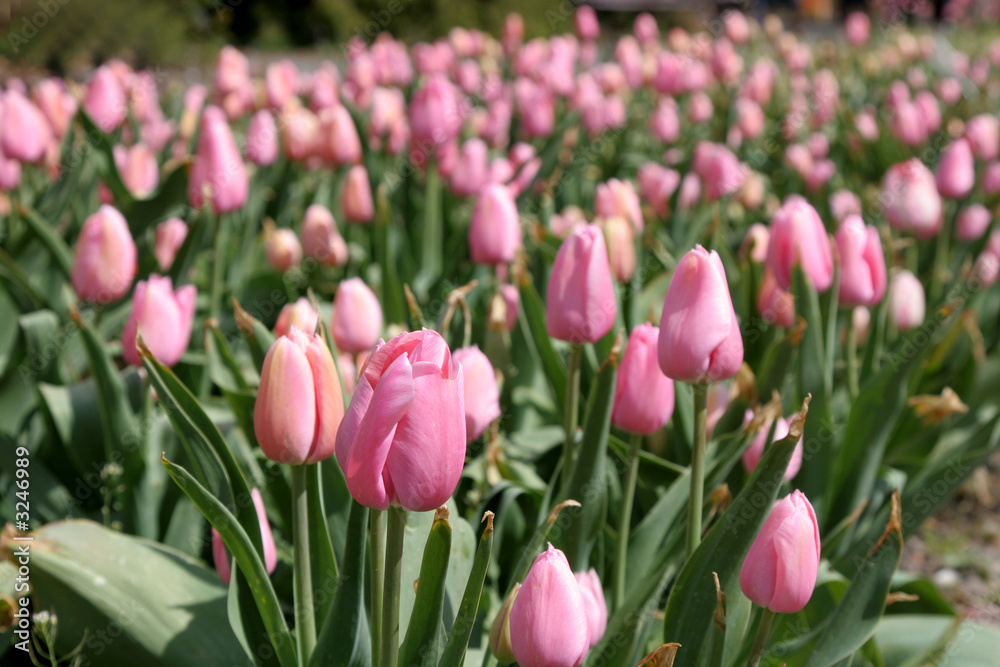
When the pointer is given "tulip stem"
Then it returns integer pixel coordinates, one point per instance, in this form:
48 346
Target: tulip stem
376 538
305 617
625 519
852 358
218 265
940 265
572 407
697 468
395 529
760 640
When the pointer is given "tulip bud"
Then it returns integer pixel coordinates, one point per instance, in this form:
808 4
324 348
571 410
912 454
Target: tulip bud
587 27
644 396
987 267
618 198
402 442
221 555
973 221
356 198
105 101
862 263
594 604
911 199
620 238
320 238
755 243
798 237
55 102
170 235
906 301
774 304
581 304
24 131
657 185
500 630
262 139
104 260
471 171
983 133
779 572
700 339
753 453
435 118
281 83
861 319
857 28
10 175
283 249
495 231
218 173
339 142
163 316
357 317
299 314
482 397
844 203
956 173
139 171
511 298
299 404
548 620
300 134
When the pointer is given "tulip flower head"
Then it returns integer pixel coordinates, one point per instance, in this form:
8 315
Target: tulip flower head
482 396
644 396
104 259
163 316
799 237
220 555
581 304
357 317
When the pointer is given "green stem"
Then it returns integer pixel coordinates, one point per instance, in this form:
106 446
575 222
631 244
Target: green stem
396 526
697 468
625 518
760 640
305 618
376 538
852 358
940 264
218 265
572 408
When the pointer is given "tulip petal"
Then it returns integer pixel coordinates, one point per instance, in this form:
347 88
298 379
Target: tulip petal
284 416
329 399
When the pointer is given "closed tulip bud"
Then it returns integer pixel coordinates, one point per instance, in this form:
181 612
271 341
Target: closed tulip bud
991 179
548 620
983 133
779 572
512 303
140 174
753 453
320 238
620 238
906 301
55 102
495 231
218 173
587 27
644 396
221 555
973 221
700 108
105 101
435 118
281 83
857 28
482 397
170 235
500 630
10 175
471 171
357 317
163 316
232 70
618 198
646 29
798 237
402 442
862 263
299 314
104 260
774 304
581 306
299 404
300 134
908 124
339 142
24 131
956 173
356 198
536 105
844 203
665 123
987 267
594 604
700 339
283 249
755 243
930 110
911 199
690 191
262 139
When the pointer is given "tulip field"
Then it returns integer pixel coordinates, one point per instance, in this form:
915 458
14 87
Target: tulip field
608 348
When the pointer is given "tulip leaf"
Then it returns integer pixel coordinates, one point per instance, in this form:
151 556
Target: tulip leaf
538 539
41 337
461 630
692 601
169 199
856 617
104 161
247 556
344 639
534 315
46 234
259 337
323 562
422 644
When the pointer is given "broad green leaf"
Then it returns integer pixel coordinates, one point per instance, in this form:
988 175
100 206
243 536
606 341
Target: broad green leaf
104 161
461 630
422 644
555 368
169 199
323 562
45 232
913 640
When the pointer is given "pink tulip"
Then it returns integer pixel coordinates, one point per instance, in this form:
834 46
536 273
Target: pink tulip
105 101
513 33
906 301
220 555
594 604
299 404
700 339
471 171
753 453
482 397
646 29
949 89
779 572
987 267
911 199
283 249
536 107
300 134
104 261
139 171
867 125
775 304
983 133
232 71
657 185
281 83
736 26
798 237
548 620
55 102
435 118
619 235
495 231
618 198
930 110
858 28
991 179
972 223
262 139
357 317
170 235
755 243
862 263
218 175
956 172
690 191
587 27
163 316
348 371
356 197
581 304
719 169
908 124
402 442
299 314
338 141
644 396
320 238
512 303
750 118
700 109
24 131
10 174
665 123
844 203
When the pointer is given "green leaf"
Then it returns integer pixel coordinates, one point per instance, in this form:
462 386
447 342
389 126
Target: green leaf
539 538
323 562
104 160
42 344
552 363
259 337
45 232
169 199
913 640
461 631
422 643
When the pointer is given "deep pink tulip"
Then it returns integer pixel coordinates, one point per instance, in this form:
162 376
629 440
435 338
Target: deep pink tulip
299 404
753 453
482 397
471 171
862 263
495 231
339 142
262 139
170 235
956 172
646 29
618 198
774 304
320 238
983 133
356 197
105 101
299 314
218 175
972 223
619 235
283 249
581 305
594 604
24 131
357 317
907 302
779 572
435 118
163 316
536 106
798 237
585 20
644 396
104 261
548 620
220 555
911 199
700 339
402 441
